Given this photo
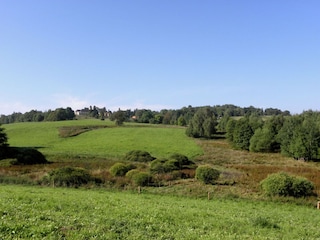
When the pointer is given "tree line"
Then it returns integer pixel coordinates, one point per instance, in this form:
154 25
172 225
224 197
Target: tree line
296 136
59 114
180 117
183 116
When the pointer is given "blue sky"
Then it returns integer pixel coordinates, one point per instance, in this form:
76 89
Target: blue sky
159 54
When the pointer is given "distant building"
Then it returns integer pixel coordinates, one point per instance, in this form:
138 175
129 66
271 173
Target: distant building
86 112
82 112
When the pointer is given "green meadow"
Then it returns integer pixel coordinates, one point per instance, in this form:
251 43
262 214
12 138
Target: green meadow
104 141
60 213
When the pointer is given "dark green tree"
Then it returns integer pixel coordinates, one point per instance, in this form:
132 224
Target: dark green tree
146 116
3 143
60 114
69 113
222 123
265 138
3 138
119 117
230 128
242 134
202 124
182 121
255 121
300 136
158 118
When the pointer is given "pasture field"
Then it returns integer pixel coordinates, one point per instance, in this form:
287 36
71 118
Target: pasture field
60 213
101 144
105 141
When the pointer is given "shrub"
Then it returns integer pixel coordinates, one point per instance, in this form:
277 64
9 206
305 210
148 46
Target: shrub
142 179
138 156
131 173
163 166
27 156
282 184
156 166
171 165
120 169
68 177
301 187
207 174
175 162
182 161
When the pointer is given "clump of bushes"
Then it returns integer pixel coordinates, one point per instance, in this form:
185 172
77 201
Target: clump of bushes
173 163
207 174
68 177
283 184
142 179
120 169
27 156
139 178
138 156
162 166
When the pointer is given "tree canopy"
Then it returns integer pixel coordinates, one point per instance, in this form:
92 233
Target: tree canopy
295 136
3 138
202 124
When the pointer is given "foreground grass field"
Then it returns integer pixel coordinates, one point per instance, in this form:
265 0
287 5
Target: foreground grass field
58 213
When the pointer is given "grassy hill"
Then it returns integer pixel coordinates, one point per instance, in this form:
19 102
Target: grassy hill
59 213
103 140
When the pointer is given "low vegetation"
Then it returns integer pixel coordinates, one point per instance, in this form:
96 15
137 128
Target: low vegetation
138 156
282 184
67 177
207 174
120 169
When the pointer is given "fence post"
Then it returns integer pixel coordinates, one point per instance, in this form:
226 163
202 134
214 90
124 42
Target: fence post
318 205
139 189
208 195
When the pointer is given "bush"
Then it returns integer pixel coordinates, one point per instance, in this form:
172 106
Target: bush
68 177
27 156
282 184
131 173
142 179
301 187
175 162
138 156
162 166
120 169
207 174
182 161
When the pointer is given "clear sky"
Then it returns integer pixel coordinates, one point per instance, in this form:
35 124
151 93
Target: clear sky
159 54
